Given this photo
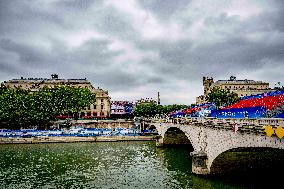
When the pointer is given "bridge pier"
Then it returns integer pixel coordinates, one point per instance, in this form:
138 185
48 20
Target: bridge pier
199 163
159 141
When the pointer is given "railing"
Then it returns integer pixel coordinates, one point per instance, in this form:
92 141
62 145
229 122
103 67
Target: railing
251 125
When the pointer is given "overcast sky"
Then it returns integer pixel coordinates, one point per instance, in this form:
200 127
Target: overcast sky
135 48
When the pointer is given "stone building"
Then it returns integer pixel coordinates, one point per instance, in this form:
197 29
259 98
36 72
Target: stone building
148 100
145 101
241 87
101 108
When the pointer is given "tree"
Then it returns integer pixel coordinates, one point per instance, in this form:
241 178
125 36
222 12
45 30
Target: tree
174 107
221 97
147 110
23 108
152 109
14 106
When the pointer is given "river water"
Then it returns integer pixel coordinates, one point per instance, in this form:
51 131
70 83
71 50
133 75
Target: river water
101 165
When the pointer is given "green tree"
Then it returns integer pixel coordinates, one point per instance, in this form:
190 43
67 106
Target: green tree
152 109
221 97
23 108
174 107
147 110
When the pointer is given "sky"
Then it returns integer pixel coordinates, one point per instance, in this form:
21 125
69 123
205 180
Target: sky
135 48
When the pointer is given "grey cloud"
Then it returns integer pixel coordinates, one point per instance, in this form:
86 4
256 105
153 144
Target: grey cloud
174 61
6 67
27 54
77 5
164 8
111 22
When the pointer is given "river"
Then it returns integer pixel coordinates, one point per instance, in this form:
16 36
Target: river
102 165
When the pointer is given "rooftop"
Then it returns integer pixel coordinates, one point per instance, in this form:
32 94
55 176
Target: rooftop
54 78
244 81
240 81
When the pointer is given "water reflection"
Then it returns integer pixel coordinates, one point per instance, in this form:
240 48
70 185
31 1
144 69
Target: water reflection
100 165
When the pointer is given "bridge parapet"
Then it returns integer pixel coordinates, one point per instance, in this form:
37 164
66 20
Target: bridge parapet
260 121
257 125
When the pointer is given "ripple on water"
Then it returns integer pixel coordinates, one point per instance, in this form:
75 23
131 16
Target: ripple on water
97 165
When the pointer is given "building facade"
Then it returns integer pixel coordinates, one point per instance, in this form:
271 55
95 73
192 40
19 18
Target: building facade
241 87
101 108
145 101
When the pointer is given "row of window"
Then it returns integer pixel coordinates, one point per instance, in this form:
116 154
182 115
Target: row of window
245 87
91 114
95 107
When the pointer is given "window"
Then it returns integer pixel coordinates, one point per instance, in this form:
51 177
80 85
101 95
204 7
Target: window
95 106
102 106
102 100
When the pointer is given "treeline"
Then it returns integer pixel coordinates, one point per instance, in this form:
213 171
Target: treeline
222 97
21 108
153 109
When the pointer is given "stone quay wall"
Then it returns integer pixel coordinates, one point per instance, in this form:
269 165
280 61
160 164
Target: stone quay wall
45 139
110 124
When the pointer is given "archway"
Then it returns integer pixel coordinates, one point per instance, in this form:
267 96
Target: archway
152 128
176 137
258 167
251 160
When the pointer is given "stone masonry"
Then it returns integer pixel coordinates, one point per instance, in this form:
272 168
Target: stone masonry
209 142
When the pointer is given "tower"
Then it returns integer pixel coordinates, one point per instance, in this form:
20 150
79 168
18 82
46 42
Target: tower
158 98
207 82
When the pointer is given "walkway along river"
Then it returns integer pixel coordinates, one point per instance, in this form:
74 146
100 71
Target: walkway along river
128 164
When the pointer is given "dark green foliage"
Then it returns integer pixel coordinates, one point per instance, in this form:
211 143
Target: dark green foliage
174 107
23 108
221 97
152 109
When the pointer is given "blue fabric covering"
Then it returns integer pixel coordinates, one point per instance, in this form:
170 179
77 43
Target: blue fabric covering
271 93
281 115
178 114
252 112
204 104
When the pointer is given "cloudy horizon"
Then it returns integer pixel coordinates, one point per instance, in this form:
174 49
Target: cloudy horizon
135 48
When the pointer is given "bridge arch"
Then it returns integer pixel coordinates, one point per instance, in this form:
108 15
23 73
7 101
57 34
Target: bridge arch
177 136
248 160
151 127
233 142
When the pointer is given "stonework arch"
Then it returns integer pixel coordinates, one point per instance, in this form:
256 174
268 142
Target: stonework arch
209 142
240 140
151 127
163 129
248 161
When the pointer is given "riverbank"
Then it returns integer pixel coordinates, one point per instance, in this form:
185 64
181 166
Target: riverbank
43 139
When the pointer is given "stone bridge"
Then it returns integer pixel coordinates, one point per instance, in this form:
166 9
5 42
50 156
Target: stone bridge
211 137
